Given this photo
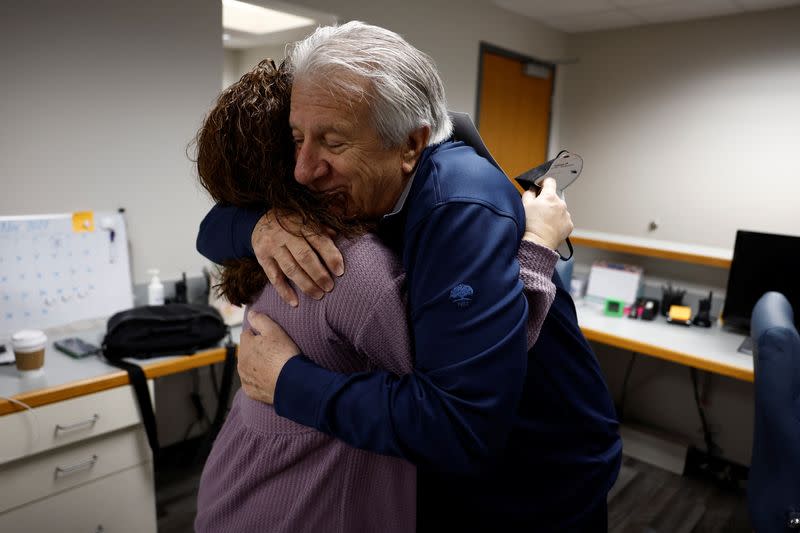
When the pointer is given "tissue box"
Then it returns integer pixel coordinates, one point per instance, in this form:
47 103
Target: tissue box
617 281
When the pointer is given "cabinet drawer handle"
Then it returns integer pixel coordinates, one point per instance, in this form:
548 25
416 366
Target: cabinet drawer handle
79 425
77 467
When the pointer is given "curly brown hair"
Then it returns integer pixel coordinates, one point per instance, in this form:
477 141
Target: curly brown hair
245 158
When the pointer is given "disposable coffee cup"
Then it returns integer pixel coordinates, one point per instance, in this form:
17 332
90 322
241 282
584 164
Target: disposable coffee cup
28 346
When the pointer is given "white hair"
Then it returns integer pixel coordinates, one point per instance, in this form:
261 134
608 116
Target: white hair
403 87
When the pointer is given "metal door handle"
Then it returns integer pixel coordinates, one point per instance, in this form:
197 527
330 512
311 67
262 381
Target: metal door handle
77 467
79 425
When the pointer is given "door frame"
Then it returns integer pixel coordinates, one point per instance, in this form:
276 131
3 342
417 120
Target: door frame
491 48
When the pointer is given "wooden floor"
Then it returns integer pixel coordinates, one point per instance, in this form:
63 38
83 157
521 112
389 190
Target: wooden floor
645 499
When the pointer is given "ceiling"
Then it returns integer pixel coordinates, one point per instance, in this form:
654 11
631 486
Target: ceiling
576 16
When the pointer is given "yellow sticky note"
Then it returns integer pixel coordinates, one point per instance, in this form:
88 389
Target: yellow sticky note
680 312
82 221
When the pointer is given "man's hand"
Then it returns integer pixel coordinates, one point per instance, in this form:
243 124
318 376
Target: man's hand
283 254
547 221
263 350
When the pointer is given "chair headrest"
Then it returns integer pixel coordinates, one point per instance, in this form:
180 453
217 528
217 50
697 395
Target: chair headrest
464 130
772 310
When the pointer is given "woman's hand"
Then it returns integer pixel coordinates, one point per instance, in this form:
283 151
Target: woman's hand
308 260
547 221
263 350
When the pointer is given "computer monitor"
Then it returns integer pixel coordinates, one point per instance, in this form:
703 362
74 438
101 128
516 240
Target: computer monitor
761 262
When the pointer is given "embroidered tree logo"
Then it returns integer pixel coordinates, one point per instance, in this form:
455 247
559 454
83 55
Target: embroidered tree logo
461 295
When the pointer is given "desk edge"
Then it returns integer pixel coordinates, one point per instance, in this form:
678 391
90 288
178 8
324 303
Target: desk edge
66 391
669 355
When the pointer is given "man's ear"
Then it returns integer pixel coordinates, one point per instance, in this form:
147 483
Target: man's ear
415 143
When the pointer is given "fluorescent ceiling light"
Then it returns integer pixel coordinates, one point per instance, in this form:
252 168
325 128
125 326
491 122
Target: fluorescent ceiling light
259 20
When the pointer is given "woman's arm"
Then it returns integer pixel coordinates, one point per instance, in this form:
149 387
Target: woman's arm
536 264
547 224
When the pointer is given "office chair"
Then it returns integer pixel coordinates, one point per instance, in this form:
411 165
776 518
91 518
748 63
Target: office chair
774 485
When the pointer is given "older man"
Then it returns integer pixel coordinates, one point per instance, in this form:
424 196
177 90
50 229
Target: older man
503 439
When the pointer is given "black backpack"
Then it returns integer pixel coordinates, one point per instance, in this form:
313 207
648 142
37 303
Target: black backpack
160 330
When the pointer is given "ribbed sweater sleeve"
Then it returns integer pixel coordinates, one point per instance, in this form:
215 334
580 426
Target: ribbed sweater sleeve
368 308
383 337
536 264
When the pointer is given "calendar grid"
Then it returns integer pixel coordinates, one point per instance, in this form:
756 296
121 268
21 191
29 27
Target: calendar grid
52 275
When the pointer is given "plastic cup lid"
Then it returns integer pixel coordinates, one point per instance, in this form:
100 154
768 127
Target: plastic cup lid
28 339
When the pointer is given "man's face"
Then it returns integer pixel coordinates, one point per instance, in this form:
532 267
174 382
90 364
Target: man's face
337 149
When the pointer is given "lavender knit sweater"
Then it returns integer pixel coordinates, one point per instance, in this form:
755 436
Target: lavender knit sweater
268 474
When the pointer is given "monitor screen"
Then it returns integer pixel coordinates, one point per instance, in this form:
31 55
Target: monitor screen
761 262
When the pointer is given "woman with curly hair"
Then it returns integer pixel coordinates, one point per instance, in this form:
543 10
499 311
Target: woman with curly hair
265 472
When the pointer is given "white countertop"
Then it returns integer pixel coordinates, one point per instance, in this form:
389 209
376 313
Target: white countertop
712 348
61 369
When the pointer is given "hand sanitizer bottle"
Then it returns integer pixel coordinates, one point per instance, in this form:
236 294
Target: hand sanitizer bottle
155 291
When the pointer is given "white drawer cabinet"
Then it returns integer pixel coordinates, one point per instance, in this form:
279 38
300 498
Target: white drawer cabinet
68 421
48 473
77 465
119 503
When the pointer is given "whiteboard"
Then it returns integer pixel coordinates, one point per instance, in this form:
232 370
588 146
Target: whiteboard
58 269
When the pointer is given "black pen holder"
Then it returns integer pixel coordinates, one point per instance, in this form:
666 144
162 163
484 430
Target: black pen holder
669 298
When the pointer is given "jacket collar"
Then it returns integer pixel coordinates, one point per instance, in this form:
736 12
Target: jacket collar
400 205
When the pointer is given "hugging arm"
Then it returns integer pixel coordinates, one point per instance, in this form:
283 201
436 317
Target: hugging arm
282 248
226 233
455 410
469 371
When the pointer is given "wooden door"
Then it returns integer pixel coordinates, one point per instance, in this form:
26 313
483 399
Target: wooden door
514 111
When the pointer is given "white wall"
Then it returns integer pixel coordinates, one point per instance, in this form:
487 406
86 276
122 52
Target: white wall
241 60
693 124
99 101
237 61
250 57
231 71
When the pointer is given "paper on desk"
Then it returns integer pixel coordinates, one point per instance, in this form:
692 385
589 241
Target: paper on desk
614 280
